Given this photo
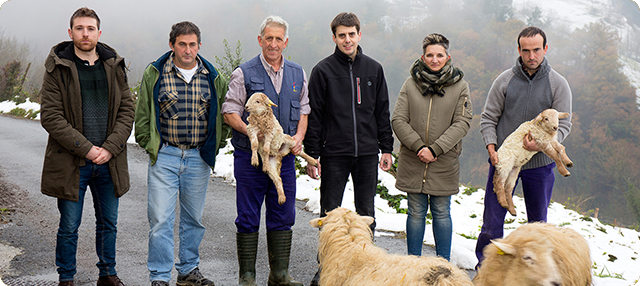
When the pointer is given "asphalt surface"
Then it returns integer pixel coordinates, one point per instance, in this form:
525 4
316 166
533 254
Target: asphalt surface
31 226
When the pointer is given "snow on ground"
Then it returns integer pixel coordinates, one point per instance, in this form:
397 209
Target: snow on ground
7 106
605 241
615 251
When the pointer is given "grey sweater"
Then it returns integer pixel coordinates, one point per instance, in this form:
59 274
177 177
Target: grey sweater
514 99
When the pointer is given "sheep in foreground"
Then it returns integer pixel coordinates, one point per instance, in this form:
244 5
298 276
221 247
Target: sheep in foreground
348 257
273 143
512 155
536 254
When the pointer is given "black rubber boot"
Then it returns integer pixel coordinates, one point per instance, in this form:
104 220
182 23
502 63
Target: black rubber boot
279 246
247 248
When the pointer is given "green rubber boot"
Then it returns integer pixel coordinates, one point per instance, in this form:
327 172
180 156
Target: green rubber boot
247 248
279 245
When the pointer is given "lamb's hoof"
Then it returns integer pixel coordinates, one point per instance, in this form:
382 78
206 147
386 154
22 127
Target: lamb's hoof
282 200
512 211
567 174
569 165
254 163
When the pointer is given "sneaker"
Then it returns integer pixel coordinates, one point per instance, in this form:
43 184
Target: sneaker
67 283
159 283
194 278
111 280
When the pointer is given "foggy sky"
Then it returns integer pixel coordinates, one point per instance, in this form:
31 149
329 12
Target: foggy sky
139 30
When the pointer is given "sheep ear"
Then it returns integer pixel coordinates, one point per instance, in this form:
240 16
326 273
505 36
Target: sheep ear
369 220
538 118
316 222
504 248
563 115
271 103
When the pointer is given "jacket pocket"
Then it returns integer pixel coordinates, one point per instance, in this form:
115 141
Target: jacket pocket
168 102
203 106
257 84
295 110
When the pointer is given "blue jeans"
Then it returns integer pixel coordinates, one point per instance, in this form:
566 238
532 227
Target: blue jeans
442 226
335 173
105 204
537 188
177 174
253 187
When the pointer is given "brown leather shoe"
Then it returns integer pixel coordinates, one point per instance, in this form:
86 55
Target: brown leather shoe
111 280
66 283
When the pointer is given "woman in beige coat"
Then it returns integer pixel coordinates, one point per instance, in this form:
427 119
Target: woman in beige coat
432 114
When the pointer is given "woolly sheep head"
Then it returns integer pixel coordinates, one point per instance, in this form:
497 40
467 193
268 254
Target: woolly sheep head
548 120
258 103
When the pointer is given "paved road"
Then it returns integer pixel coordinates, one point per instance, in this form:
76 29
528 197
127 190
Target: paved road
34 223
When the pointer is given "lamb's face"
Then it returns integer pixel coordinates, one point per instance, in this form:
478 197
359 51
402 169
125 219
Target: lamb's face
258 103
548 120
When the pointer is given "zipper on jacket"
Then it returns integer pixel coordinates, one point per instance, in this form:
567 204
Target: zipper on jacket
353 109
358 88
424 177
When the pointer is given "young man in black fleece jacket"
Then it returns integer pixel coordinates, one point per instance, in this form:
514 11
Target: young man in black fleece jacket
349 121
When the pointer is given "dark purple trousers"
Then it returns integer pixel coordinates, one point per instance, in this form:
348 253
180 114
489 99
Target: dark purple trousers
537 187
254 186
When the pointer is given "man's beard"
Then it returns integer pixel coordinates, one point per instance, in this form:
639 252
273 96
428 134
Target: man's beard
84 47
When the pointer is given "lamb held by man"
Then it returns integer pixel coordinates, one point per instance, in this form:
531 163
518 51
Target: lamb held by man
348 257
268 139
512 155
536 254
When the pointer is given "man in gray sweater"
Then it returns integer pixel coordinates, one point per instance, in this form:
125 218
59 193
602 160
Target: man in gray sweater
518 95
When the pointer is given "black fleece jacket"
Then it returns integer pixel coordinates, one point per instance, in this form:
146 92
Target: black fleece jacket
349 107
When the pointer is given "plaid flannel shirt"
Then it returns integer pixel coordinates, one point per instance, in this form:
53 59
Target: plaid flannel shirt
184 106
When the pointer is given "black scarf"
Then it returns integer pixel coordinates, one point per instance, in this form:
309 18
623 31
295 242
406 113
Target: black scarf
430 82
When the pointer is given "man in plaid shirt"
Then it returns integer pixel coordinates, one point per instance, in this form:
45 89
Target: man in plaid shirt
178 123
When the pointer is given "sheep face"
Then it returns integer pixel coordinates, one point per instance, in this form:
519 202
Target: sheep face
259 103
548 120
533 261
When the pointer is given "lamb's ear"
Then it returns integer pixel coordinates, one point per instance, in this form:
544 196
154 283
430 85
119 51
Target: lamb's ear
563 115
271 103
504 248
538 118
316 222
367 219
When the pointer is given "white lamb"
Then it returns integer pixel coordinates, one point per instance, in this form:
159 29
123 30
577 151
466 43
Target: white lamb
536 254
512 155
348 257
273 144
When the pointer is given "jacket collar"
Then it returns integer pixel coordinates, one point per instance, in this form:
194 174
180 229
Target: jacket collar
542 71
344 58
63 54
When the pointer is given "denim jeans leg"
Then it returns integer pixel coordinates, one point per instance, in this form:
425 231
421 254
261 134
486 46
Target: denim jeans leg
67 237
162 184
442 225
194 180
418 205
105 204
335 173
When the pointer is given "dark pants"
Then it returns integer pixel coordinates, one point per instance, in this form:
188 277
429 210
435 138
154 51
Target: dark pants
253 186
335 173
537 187
105 204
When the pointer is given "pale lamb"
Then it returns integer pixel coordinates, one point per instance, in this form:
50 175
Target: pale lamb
512 155
348 257
268 140
536 254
